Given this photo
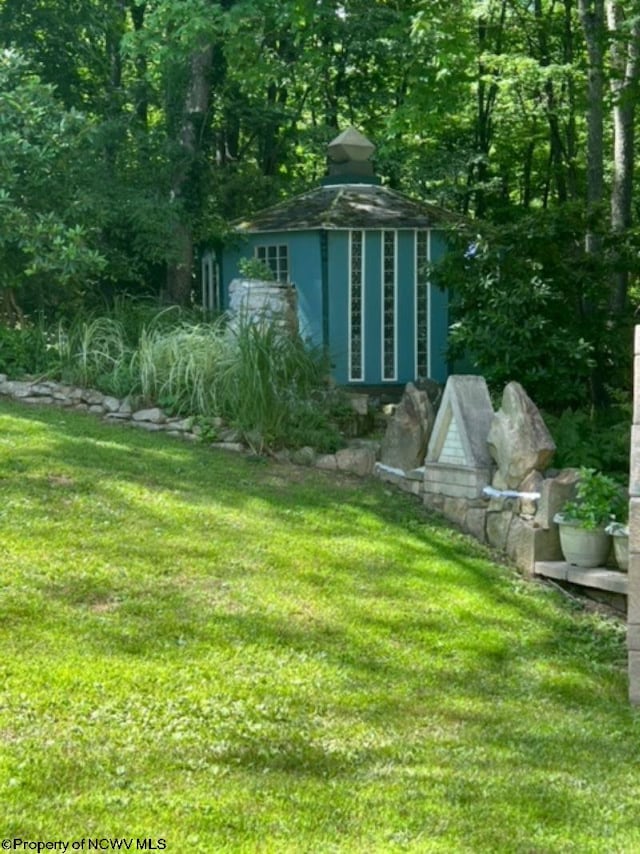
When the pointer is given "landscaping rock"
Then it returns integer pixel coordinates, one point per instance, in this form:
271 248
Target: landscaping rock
153 415
327 462
356 460
475 523
111 404
556 492
518 438
498 525
455 509
405 442
531 484
303 456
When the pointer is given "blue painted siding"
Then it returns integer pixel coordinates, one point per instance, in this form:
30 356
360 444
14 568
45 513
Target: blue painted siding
439 315
338 290
305 271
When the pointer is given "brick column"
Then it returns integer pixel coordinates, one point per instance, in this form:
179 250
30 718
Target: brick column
633 605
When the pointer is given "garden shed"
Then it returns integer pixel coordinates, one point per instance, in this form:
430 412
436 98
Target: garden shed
358 255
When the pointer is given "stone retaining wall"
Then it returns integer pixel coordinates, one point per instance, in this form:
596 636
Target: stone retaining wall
509 449
633 594
358 458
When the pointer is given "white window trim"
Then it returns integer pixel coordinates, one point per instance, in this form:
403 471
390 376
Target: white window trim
353 379
278 247
415 305
383 234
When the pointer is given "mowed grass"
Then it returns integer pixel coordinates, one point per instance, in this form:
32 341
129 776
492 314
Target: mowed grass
242 656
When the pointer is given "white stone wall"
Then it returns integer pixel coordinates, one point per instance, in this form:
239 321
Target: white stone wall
257 301
633 596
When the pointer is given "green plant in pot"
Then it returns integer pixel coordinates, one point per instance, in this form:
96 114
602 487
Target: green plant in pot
583 521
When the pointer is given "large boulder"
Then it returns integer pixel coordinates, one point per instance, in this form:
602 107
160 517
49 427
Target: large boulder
519 440
405 442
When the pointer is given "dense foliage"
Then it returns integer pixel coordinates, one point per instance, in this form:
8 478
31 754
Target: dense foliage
269 387
132 132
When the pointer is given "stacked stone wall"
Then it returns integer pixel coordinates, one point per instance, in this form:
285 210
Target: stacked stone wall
633 594
358 458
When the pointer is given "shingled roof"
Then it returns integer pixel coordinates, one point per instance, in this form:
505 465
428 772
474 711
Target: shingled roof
340 206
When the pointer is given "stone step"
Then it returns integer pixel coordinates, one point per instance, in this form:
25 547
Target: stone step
599 578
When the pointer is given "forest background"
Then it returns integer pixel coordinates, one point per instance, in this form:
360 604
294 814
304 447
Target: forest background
133 131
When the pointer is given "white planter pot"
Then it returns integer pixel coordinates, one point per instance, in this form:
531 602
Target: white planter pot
582 547
621 551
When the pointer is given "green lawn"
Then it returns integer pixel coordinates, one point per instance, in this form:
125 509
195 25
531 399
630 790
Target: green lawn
234 655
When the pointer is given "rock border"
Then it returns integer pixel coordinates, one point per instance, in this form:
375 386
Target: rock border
358 458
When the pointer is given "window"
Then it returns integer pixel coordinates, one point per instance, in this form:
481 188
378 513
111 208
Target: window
277 259
423 304
389 298
356 306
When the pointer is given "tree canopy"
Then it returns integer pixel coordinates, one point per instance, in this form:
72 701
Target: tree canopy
133 131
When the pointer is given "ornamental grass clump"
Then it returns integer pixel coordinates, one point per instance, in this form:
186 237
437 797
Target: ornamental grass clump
95 353
177 367
266 383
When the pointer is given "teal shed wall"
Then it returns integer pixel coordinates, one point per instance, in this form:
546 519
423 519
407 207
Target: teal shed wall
338 308
322 286
305 272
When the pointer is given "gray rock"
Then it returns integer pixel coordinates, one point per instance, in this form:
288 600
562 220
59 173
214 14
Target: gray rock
455 509
356 460
405 442
475 523
93 397
327 462
153 415
498 525
556 491
111 404
518 440
41 400
303 456
150 426
532 483
19 389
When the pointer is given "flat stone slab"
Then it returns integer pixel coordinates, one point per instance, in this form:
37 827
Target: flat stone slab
598 578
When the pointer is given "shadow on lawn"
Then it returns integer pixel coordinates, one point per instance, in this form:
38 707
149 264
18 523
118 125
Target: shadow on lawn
414 669
412 558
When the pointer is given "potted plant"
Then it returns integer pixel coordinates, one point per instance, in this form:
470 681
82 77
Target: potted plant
582 522
620 533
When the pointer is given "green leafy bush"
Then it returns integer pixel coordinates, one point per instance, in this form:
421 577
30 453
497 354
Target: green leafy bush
528 304
599 500
600 441
253 268
27 349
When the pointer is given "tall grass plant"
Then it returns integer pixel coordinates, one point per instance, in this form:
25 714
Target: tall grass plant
266 383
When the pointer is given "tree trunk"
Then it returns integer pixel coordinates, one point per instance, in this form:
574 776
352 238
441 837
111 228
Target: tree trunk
592 20
180 269
625 65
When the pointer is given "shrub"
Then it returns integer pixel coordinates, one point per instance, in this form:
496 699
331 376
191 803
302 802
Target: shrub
27 348
600 441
